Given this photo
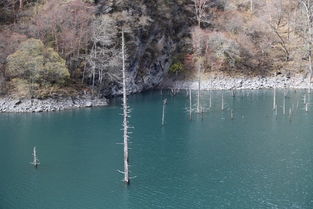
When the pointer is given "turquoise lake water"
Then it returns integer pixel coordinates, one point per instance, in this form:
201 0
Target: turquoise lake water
257 160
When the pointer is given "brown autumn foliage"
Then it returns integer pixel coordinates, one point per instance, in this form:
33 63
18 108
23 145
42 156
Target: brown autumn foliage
251 39
9 42
64 26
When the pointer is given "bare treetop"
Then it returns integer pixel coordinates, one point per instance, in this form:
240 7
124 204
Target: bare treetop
200 10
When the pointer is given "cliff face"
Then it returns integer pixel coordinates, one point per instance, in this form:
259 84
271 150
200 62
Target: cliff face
152 48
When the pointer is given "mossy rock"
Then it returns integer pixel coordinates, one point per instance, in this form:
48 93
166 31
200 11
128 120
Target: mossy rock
37 64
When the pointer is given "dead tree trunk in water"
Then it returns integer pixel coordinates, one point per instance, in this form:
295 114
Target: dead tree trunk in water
210 99
222 102
35 162
231 114
290 114
274 99
306 107
190 104
284 103
125 116
163 111
199 86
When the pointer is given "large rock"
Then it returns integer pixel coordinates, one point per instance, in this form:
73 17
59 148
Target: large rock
36 63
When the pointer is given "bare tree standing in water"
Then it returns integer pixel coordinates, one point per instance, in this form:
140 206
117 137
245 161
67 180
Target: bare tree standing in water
200 12
125 117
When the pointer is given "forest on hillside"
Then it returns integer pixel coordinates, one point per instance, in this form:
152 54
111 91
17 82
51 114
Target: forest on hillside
65 47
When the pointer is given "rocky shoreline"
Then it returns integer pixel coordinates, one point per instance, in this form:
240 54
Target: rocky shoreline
219 82
227 83
51 104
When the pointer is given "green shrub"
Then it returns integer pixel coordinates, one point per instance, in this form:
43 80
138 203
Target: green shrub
35 63
177 67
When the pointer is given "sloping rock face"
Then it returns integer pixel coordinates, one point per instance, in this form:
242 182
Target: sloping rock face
152 48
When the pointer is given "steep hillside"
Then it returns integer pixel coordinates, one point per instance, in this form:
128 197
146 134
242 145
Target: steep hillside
176 39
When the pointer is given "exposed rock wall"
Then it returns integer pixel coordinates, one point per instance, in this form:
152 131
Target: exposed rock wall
152 47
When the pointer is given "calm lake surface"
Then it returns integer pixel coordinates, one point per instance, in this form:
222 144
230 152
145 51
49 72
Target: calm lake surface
257 160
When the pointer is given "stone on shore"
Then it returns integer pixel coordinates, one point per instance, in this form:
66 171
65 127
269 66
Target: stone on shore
47 105
227 83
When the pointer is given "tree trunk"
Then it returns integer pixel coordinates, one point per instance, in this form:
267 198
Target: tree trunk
163 111
125 114
83 77
93 77
310 66
21 4
274 99
222 102
199 86
306 107
284 104
210 99
190 104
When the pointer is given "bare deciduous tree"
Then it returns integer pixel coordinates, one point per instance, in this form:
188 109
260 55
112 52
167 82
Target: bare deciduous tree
200 10
125 116
197 39
126 112
21 4
104 58
306 31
